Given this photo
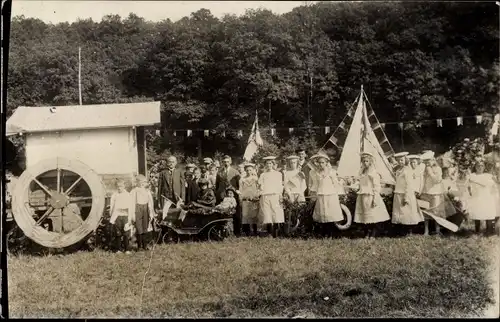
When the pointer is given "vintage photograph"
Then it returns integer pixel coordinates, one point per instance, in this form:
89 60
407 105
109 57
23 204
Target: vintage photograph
251 159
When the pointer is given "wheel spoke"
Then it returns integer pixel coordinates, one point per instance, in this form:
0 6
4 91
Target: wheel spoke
76 199
44 188
70 189
44 216
58 180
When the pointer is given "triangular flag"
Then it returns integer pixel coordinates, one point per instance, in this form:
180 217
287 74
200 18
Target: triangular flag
342 125
350 113
290 130
175 133
327 129
206 132
223 134
273 132
460 121
189 133
254 140
382 125
479 119
166 206
439 122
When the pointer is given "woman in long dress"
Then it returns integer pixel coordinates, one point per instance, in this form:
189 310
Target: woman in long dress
249 194
405 211
327 210
294 180
482 202
370 208
271 193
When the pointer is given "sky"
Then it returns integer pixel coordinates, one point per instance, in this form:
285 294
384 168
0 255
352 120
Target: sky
72 10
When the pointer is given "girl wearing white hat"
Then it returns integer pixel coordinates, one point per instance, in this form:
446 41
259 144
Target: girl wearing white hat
271 191
370 208
482 204
249 194
327 209
405 210
294 180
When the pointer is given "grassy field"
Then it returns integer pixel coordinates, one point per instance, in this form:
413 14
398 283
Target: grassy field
264 277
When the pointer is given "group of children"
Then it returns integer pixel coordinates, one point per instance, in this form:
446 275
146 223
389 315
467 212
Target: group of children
418 178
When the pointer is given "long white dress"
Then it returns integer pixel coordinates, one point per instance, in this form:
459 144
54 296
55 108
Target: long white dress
408 214
295 185
327 208
270 191
433 192
482 204
369 190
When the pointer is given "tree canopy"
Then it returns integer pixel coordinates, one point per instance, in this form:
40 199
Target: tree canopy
417 61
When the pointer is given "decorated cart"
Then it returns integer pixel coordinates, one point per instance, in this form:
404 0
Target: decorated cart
73 156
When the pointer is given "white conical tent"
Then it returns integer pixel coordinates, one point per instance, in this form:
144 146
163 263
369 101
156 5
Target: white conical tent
361 138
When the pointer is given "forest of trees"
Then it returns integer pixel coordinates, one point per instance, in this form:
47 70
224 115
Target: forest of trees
417 61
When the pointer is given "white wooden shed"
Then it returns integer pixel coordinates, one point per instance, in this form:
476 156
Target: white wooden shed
109 138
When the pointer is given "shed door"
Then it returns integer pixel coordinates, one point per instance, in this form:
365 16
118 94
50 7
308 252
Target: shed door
141 149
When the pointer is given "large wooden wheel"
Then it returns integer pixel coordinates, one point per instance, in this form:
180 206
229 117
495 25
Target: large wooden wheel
58 202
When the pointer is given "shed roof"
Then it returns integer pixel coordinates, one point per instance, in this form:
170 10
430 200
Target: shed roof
58 118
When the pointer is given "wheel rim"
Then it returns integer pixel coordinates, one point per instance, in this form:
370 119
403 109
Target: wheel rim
171 237
217 233
60 197
348 218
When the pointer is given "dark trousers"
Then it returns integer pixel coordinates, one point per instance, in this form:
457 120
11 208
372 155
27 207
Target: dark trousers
237 222
120 236
253 231
275 229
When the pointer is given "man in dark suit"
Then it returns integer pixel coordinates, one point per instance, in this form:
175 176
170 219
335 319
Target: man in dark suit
228 177
171 183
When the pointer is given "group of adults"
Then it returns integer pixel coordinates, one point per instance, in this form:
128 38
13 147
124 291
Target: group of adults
261 188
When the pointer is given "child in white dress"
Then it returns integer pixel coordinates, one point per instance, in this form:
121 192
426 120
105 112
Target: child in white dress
482 205
271 193
229 203
249 193
405 211
370 207
294 180
327 210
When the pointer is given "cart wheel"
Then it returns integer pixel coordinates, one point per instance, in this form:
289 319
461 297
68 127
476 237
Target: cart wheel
347 222
218 232
170 237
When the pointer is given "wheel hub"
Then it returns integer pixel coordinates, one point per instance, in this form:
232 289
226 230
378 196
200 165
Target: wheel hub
59 200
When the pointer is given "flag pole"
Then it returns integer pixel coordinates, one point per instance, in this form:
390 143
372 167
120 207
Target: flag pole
80 75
